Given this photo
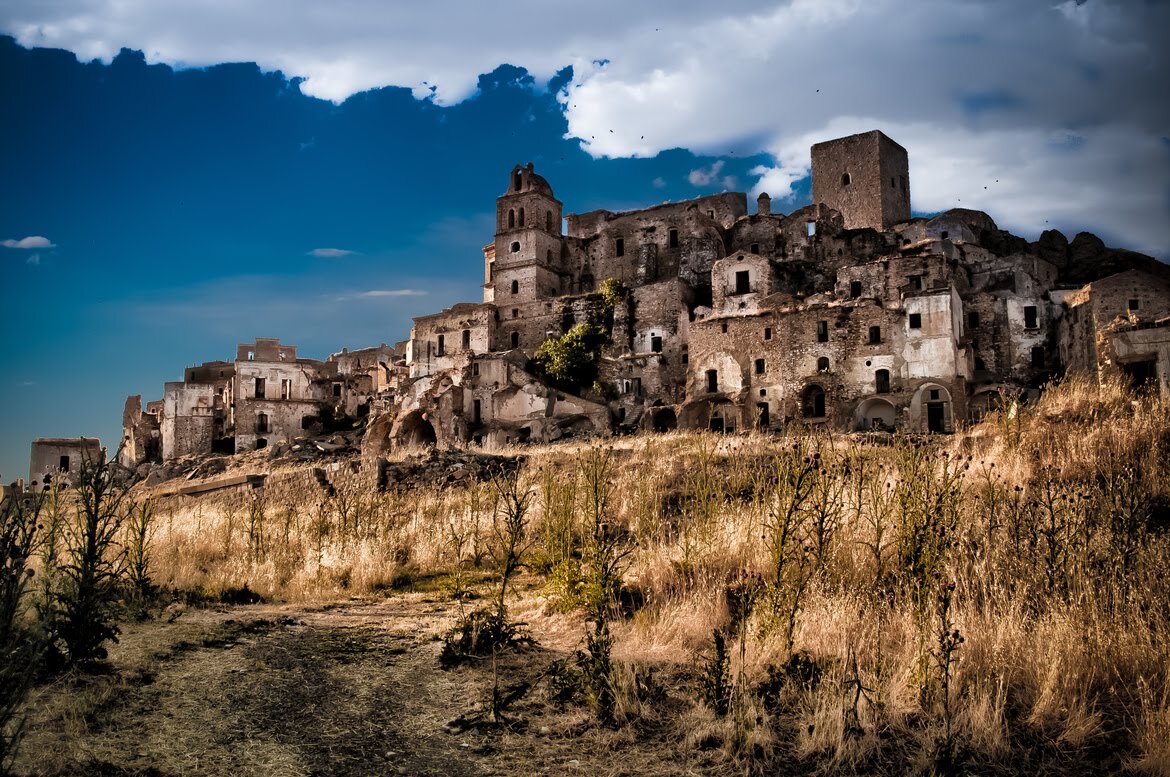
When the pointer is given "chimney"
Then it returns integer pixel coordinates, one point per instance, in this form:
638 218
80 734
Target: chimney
764 204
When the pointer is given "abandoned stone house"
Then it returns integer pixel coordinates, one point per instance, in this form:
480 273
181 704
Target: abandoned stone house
59 460
849 313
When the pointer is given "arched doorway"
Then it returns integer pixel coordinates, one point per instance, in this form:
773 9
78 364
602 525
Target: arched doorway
876 415
416 431
665 420
932 409
812 401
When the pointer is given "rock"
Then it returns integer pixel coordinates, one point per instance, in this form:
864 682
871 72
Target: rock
1052 247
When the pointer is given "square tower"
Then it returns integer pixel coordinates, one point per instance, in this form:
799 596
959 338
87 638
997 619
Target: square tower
866 177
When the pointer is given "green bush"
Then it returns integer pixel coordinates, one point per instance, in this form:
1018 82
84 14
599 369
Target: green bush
569 362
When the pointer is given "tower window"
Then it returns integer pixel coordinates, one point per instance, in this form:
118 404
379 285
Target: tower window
915 320
823 364
822 331
1031 318
855 289
515 339
674 238
760 366
515 287
1133 304
619 247
742 282
511 219
875 335
520 221
845 179
516 247
767 333
466 339
712 381
442 346
517 181
882 381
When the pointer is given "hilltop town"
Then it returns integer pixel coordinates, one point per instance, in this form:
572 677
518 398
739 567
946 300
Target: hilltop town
848 313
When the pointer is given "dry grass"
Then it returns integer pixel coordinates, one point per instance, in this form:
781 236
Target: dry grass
1049 521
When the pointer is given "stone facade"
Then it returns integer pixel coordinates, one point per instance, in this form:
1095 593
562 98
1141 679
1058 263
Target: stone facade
61 459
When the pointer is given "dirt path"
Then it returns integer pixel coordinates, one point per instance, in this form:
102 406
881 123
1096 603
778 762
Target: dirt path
345 689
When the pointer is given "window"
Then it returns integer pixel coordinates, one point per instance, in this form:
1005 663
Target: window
762 414
520 221
656 343
855 289
760 366
674 238
875 335
511 219
515 312
491 271
810 228
822 331
712 381
1037 356
686 357
261 423
1133 304
516 247
723 327
755 248
517 181
972 320
515 287
442 351
823 364
259 388
710 214
915 320
916 282
475 368
619 247
742 282
281 355
813 402
286 388
1031 320
767 333
466 339
892 182
934 394
763 392
882 381
845 179
476 409
64 464
336 389
945 234
251 356
515 339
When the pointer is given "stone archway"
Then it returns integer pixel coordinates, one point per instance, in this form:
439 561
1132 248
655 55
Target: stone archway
665 420
415 431
931 409
876 414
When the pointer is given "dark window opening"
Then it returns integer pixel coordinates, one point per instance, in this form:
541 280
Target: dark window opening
767 333
515 287
882 381
755 248
1031 318
813 402
64 463
619 247
261 422
979 365
517 182
892 183
511 219
945 234
845 179
855 289
1133 304
491 271
656 344
934 394
723 327
712 381
476 409
1038 356
760 366
515 339
915 320
475 368
823 364
742 282
515 311
762 414
520 221
336 389
259 389
822 331
875 335
261 443
674 238
516 247
442 346
466 339
916 282
972 320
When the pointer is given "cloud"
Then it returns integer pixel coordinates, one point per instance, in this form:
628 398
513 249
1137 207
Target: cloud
960 86
379 293
35 259
659 183
331 253
32 241
705 176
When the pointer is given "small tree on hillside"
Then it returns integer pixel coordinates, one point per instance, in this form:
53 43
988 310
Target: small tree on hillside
569 362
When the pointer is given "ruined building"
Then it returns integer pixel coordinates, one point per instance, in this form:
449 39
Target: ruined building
848 313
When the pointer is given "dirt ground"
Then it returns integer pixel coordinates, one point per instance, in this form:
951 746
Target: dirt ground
344 688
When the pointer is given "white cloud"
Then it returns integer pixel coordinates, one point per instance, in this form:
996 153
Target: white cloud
35 259
972 88
32 241
331 253
705 176
659 183
379 293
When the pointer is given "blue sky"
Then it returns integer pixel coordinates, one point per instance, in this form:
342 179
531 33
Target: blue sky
158 206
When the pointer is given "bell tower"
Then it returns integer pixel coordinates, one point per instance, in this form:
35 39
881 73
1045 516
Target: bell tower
526 261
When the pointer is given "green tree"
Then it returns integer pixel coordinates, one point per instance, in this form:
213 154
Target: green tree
569 362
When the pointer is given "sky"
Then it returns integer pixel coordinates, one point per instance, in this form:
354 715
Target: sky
177 180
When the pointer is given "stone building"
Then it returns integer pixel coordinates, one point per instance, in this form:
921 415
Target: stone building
59 460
